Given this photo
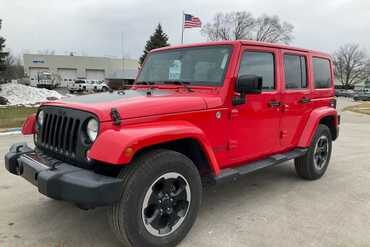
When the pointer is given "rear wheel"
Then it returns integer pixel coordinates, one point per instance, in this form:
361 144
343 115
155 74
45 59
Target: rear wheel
160 201
314 163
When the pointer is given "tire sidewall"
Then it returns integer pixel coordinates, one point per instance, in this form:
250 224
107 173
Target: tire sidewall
321 131
136 231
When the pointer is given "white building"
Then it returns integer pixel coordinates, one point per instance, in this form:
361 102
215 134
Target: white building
70 68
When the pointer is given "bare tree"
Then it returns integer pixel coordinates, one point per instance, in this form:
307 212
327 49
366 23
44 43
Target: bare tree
351 65
10 60
15 69
242 25
230 26
3 57
270 29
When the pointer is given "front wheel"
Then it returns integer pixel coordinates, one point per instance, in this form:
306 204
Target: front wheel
160 201
314 163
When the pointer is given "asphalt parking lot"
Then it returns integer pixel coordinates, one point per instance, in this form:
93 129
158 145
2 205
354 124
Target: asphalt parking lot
272 207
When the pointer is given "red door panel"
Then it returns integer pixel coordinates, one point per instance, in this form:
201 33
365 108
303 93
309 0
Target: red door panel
296 97
254 130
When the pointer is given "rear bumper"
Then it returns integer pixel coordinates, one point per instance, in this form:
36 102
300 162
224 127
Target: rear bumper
62 181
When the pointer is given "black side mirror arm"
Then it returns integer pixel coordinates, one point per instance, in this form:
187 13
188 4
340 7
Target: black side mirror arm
239 100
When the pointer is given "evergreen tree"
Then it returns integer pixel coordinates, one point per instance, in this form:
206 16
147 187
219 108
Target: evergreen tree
3 55
157 40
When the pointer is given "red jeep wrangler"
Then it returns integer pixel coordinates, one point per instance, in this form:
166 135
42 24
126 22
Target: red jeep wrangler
215 110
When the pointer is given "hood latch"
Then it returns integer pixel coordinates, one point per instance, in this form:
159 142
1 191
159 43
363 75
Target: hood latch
116 117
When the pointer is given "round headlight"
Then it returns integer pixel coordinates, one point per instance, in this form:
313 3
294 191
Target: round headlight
40 117
92 129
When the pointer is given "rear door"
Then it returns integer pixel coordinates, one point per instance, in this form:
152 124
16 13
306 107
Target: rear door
296 96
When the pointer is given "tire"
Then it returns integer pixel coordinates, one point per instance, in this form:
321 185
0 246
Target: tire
71 91
104 89
145 179
314 163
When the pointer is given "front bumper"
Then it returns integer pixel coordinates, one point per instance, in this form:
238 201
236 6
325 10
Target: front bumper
62 181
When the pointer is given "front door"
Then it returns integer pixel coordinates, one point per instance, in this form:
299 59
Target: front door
254 131
296 97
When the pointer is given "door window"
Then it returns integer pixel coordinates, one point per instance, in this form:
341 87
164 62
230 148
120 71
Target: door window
259 64
295 72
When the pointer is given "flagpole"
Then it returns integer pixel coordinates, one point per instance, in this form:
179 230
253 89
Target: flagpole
182 27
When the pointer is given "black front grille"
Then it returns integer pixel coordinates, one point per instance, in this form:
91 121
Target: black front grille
62 134
59 133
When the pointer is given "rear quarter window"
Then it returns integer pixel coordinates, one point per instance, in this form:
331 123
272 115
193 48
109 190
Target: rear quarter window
321 73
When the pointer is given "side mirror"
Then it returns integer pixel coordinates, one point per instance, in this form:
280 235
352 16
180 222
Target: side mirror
249 84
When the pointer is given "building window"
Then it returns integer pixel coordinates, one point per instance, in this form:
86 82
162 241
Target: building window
295 72
259 64
321 73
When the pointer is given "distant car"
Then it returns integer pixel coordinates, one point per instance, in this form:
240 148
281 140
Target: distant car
47 80
97 86
82 85
339 92
349 93
344 93
79 85
362 96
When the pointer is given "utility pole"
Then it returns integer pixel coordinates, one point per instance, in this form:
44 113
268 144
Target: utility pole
123 59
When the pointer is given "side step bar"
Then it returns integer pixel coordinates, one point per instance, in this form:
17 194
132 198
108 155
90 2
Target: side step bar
229 174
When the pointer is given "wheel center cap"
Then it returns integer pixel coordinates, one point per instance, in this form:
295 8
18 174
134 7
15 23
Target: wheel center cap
166 202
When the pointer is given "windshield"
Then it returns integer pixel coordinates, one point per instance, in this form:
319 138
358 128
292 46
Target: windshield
44 77
195 65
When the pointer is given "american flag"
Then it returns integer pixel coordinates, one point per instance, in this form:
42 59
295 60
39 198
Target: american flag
191 21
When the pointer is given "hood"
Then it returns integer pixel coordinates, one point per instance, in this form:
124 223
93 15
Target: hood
135 103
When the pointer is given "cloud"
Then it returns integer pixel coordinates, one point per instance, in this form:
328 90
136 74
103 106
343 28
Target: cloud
94 27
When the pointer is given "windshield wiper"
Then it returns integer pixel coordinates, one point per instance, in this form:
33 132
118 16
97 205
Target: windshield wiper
148 91
185 84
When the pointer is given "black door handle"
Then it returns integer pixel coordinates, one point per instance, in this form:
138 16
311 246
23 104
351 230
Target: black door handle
304 100
274 103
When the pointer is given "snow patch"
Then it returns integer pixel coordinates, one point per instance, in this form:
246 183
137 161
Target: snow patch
18 94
